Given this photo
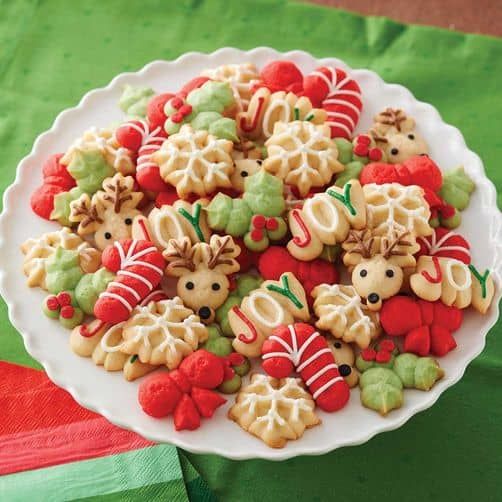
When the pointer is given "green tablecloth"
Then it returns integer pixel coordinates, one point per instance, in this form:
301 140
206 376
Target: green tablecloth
52 52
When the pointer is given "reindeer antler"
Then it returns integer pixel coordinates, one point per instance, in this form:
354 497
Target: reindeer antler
388 247
180 254
391 117
363 240
377 137
85 211
221 251
117 191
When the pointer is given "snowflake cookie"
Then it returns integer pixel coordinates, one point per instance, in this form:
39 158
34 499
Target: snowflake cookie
274 410
37 251
195 162
160 333
103 140
393 207
302 154
341 312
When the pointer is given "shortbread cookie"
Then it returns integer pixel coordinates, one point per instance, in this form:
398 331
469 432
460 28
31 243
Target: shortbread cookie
195 162
302 154
274 410
38 250
109 213
266 109
341 312
394 132
241 78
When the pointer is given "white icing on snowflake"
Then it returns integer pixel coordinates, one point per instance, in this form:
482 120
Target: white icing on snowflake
396 208
195 162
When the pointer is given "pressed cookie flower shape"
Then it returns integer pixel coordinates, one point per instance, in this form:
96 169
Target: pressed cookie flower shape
195 162
302 154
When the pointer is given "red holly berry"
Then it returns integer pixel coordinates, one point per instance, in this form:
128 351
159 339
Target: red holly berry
256 235
383 356
363 139
67 312
235 359
272 224
387 345
176 102
177 118
368 354
64 298
447 211
361 150
52 303
375 154
259 221
185 110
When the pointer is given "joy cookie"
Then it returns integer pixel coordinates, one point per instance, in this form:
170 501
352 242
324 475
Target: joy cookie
302 154
182 219
299 347
267 109
274 410
394 132
202 269
341 312
195 162
454 282
325 219
109 213
264 309
241 78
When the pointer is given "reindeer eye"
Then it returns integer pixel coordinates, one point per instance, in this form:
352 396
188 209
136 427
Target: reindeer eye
189 285
108 235
411 136
338 345
215 286
128 221
394 151
363 273
389 273
259 162
244 174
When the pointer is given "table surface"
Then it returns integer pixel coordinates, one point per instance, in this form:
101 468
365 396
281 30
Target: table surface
470 16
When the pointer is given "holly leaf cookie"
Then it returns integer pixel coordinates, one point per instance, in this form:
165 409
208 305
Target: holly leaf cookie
457 188
89 168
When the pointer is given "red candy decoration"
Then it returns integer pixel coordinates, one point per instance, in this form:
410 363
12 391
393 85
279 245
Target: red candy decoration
299 347
282 76
427 327
155 110
185 392
139 267
67 312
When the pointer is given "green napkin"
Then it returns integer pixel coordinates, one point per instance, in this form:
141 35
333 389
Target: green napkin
54 51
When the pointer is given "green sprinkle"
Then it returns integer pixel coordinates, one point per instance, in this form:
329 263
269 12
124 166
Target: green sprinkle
133 358
309 117
297 114
194 220
481 279
344 199
285 291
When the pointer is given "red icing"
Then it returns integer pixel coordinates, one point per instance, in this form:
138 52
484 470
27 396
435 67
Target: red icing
301 243
254 122
312 359
440 245
241 336
185 392
438 277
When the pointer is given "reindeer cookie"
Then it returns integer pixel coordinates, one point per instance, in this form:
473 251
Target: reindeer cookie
109 213
395 134
454 282
267 108
378 263
345 359
325 220
202 269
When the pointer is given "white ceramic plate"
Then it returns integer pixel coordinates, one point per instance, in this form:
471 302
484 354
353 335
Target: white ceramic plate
108 393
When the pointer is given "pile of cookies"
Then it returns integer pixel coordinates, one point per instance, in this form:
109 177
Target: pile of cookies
240 222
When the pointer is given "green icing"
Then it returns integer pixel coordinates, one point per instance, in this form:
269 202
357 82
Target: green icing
381 390
264 194
89 168
352 171
213 96
457 188
63 270
134 100
61 211
89 288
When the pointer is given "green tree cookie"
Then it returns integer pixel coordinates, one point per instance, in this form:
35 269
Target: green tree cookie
381 390
89 168
61 211
89 288
62 270
417 372
457 188
134 100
